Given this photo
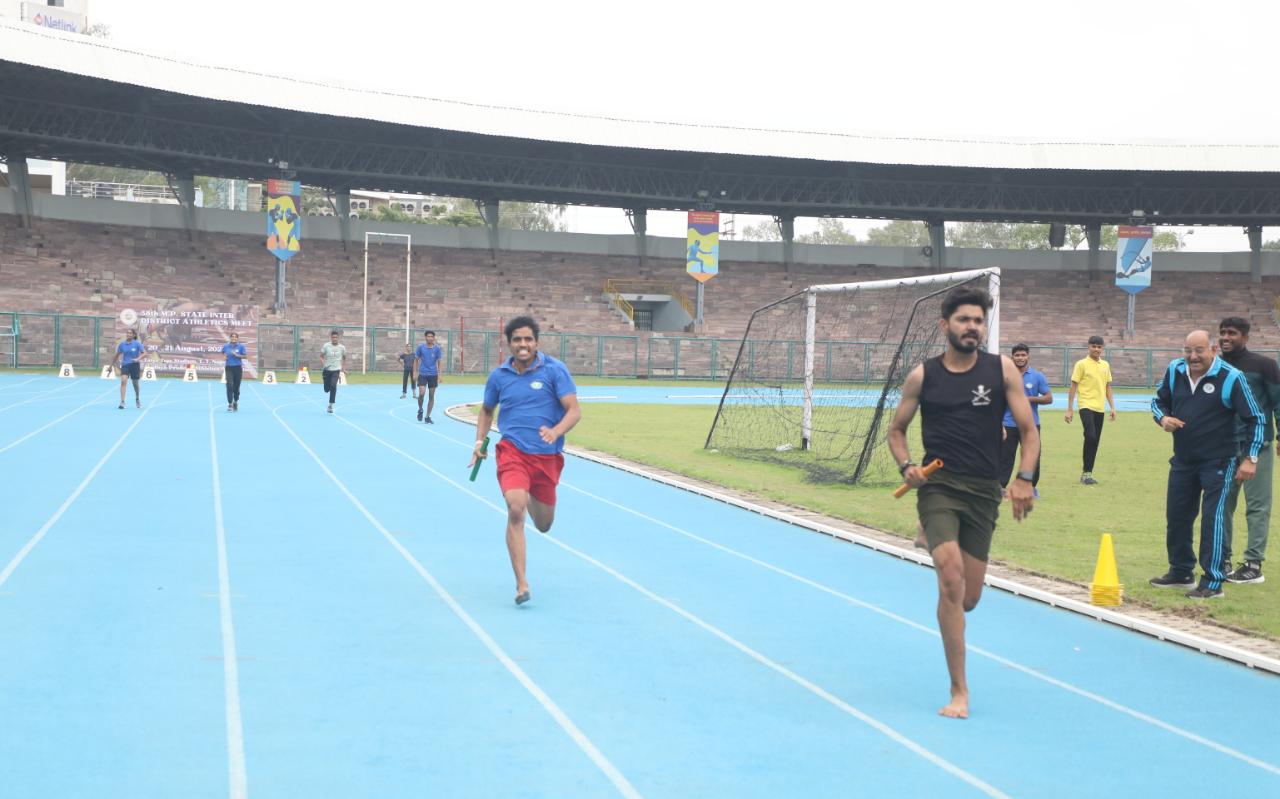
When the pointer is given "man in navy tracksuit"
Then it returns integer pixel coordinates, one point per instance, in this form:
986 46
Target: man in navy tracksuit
1198 401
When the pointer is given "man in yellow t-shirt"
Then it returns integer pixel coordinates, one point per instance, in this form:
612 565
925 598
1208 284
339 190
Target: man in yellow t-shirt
1091 377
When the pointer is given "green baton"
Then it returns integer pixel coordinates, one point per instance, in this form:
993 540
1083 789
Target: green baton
484 447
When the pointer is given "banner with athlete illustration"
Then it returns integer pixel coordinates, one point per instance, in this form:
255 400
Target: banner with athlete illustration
702 261
284 218
1133 257
179 334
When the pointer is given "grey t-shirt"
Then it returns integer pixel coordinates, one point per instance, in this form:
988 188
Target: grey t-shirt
333 355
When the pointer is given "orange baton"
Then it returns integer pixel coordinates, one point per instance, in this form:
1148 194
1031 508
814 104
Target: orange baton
929 469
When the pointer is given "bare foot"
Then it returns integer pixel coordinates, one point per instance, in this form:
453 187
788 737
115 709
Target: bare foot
958 708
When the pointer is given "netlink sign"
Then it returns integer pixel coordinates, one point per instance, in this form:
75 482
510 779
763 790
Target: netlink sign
53 17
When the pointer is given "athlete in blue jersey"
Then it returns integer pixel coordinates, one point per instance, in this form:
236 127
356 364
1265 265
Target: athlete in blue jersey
235 352
128 358
427 361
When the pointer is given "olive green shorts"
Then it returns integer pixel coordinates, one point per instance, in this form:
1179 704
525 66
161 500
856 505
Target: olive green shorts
961 509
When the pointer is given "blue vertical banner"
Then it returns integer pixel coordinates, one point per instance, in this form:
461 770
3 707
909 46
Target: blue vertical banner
1133 257
284 218
702 259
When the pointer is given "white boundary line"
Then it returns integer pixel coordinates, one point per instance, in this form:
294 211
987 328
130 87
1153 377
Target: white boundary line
1250 659
1137 714
40 396
763 660
584 743
67 503
47 425
237 777
23 383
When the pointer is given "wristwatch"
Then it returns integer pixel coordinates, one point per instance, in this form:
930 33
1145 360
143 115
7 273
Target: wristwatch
1028 476
1253 459
903 468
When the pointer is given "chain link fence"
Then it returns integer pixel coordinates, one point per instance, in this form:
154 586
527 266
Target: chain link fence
44 340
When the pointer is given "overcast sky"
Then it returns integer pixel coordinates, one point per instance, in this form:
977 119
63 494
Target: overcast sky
1098 71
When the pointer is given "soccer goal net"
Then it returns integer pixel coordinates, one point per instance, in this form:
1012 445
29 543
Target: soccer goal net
819 372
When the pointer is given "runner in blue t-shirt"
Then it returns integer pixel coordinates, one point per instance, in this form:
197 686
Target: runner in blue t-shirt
1038 393
234 351
539 405
406 359
131 351
426 359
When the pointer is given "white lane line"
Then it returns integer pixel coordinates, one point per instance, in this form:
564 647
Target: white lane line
39 396
762 659
46 426
238 779
67 503
1078 691
615 776
23 383
1081 692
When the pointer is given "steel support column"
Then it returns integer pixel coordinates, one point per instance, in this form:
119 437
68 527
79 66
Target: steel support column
489 210
1255 253
938 243
1093 235
185 187
787 227
20 181
342 207
640 226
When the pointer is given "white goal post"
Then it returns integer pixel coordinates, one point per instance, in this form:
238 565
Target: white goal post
811 313
364 327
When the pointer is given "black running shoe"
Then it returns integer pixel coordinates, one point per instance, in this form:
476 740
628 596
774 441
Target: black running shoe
419 414
429 420
1204 592
1249 572
1171 580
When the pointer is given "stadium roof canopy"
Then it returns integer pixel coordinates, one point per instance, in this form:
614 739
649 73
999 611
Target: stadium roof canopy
75 98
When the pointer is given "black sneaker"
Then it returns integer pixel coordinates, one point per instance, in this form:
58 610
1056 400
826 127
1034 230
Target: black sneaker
1088 479
122 406
1204 592
1171 580
429 420
419 414
1249 572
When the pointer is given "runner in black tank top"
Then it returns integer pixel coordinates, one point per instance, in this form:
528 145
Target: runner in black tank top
962 416
963 395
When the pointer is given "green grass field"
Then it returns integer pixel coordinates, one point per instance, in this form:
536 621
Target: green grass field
1060 538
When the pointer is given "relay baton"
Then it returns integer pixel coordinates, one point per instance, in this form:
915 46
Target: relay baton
933 466
484 447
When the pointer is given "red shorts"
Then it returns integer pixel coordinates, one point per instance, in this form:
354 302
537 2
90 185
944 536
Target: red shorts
537 474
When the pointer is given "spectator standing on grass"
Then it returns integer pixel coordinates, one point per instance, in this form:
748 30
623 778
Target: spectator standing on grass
1091 377
406 379
1263 376
1198 401
1038 393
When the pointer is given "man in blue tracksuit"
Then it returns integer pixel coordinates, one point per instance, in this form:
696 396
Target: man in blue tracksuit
1198 401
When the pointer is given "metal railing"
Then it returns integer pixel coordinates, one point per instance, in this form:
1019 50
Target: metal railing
615 287
616 300
46 340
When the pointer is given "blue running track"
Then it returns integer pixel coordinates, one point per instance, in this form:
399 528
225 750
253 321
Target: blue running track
286 603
